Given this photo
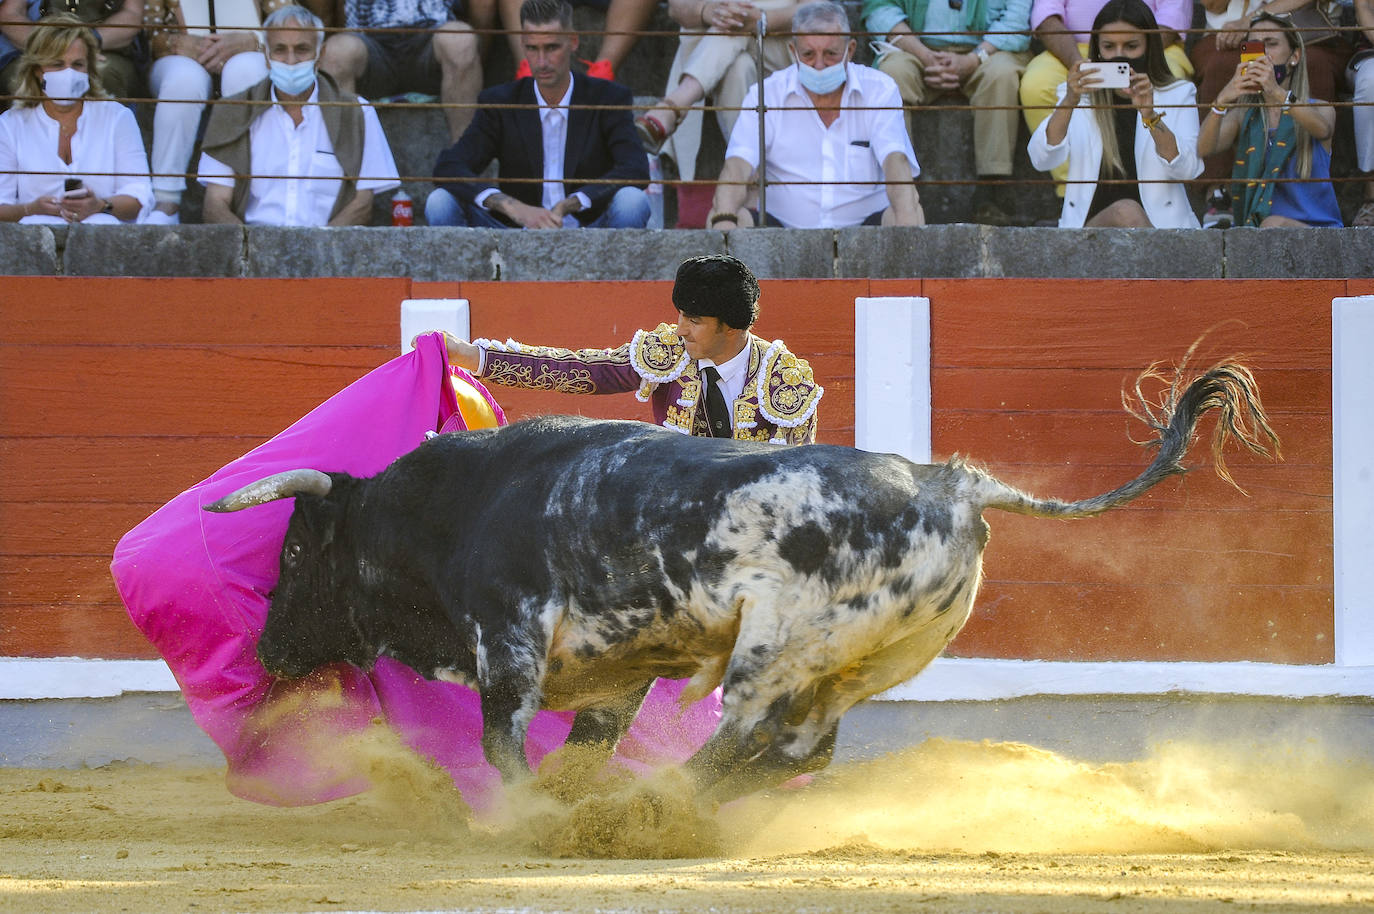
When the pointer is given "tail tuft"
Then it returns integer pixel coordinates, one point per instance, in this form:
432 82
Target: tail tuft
1227 387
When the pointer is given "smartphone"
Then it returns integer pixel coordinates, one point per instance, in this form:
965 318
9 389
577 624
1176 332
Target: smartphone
1113 75
73 187
1251 50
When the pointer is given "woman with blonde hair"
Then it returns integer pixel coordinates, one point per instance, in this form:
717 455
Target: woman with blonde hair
1131 149
1281 136
67 153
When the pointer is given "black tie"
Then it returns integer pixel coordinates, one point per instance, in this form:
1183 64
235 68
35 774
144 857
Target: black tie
717 413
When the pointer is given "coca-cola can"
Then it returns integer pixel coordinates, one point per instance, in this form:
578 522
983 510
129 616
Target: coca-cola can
402 213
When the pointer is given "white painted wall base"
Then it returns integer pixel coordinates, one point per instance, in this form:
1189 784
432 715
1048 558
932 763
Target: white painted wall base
944 680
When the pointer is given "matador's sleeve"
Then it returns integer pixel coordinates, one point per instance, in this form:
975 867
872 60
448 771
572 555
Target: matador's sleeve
651 358
788 394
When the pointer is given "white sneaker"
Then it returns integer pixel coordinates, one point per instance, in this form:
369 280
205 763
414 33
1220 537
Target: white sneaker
158 217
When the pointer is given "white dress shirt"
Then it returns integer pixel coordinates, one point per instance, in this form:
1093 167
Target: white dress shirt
107 155
282 147
553 129
732 376
850 152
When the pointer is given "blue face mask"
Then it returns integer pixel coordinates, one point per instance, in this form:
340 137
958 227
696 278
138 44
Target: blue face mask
291 78
822 82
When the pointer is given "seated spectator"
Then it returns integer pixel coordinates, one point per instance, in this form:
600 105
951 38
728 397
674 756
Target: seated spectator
335 155
1215 56
187 53
715 59
1063 27
589 169
73 156
116 24
1150 141
625 19
411 46
1362 79
836 150
979 49
1277 132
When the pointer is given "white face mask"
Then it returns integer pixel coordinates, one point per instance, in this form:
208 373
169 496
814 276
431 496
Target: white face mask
65 86
822 82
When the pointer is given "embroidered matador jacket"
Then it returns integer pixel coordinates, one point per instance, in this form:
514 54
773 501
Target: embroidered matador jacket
778 402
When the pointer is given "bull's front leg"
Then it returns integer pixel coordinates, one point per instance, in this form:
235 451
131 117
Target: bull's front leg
510 677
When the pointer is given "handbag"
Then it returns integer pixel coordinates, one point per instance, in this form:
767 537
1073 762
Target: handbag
1318 22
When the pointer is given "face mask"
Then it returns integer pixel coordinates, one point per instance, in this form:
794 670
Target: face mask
291 78
822 82
65 85
1137 64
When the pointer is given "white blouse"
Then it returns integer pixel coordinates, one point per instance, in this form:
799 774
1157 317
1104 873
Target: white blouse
107 155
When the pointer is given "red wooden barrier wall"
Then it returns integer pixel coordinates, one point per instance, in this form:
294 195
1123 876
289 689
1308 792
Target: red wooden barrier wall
115 394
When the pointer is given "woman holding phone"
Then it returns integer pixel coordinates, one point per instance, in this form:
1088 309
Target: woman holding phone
66 153
1280 134
1129 149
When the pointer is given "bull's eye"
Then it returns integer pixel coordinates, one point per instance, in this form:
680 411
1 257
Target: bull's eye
293 553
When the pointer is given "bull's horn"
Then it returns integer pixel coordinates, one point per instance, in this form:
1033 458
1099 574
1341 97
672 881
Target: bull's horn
271 488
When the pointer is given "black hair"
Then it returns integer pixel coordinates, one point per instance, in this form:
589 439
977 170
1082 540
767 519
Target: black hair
719 286
542 12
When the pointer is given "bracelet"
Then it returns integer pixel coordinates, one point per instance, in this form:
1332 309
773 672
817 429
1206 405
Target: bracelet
722 217
1152 122
1219 112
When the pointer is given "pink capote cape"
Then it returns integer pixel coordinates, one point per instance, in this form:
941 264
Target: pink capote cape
197 584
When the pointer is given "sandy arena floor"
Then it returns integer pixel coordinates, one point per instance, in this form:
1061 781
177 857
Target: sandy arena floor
942 827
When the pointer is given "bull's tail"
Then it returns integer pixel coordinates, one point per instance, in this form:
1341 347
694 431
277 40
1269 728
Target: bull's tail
1229 388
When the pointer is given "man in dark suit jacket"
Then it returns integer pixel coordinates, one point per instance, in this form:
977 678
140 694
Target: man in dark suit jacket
587 165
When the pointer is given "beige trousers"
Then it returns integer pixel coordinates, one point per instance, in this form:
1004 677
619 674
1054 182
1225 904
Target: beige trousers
724 65
991 90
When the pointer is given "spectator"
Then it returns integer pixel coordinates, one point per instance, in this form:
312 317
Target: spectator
1152 140
1278 132
715 58
1215 56
73 156
836 148
421 48
625 19
1063 27
588 142
1362 78
979 49
188 51
334 155
116 24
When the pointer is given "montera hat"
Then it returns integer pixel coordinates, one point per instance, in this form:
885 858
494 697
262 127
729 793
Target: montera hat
719 286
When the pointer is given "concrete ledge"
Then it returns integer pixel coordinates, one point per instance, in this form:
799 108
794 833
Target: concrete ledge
158 728
947 679
153 250
1308 252
959 251
30 250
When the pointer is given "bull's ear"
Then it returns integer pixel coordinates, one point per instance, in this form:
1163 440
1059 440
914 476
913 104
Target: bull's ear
274 487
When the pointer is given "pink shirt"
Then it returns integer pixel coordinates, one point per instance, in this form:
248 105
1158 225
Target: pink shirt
1078 15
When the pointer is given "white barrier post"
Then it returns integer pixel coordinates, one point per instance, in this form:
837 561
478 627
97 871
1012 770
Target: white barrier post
419 315
1352 465
892 376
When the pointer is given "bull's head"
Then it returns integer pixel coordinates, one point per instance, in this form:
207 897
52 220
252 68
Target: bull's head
308 624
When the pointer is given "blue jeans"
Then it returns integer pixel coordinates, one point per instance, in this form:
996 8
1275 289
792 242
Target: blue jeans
629 208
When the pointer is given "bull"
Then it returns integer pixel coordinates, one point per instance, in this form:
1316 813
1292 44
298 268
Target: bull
566 563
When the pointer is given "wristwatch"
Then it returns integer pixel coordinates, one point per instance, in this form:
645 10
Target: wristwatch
108 207
981 53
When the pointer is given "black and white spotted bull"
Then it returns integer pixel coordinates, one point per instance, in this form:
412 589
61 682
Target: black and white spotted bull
566 563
